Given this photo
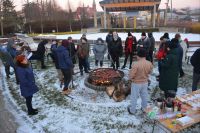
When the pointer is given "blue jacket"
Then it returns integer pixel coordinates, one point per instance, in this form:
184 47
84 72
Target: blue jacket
180 55
26 81
6 57
64 61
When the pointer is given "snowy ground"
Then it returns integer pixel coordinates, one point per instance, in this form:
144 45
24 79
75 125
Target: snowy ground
88 111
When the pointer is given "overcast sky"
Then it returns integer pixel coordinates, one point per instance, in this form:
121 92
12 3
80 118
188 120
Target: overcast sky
75 3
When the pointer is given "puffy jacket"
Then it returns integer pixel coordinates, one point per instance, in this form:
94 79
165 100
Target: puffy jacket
169 72
26 81
64 61
116 48
134 40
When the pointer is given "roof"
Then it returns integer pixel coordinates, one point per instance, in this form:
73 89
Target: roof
129 5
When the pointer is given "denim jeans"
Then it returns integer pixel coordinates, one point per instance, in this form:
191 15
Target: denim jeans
136 91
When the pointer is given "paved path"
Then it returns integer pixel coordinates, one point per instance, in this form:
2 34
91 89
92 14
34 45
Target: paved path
7 120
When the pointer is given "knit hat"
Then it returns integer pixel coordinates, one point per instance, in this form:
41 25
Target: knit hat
141 52
173 43
166 35
177 36
20 58
129 34
99 40
143 34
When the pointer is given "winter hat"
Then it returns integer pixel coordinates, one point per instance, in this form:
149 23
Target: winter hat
173 43
141 52
99 40
129 34
177 36
20 58
185 40
150 34
143 34
166 35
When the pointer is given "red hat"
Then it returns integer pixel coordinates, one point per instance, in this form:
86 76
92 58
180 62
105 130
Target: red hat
20 58
186 40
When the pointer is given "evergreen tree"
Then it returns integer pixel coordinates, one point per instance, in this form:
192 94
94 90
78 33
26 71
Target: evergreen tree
10 18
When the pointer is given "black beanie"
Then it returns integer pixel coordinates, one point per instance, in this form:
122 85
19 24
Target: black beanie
129 34
173 43
141 52
143 34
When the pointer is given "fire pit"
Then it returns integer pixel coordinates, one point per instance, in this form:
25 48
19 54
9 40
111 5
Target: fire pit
101 78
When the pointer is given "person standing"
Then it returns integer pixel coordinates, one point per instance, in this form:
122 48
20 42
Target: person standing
152 46
40 53
109 39
54 47
180 55
130 48
27 82
115 50
169 73
87 59
99 51
139 77
72 50
162 52
11 46
83 53
66 66
195 61
7 60
145 43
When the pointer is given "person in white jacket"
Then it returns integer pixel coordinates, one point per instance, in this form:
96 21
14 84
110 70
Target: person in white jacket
183 45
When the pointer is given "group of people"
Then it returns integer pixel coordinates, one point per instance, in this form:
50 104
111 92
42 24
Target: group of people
65 53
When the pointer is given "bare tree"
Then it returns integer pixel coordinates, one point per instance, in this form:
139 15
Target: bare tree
70 15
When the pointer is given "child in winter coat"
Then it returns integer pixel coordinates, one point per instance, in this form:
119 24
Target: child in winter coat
139 77
99 51
27 82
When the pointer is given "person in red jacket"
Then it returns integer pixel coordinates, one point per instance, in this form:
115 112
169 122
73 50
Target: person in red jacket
162 52
130 48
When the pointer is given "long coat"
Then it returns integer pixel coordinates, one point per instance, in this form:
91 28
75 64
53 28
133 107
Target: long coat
169 72
146 43
116 48
184 47
64 61
26 81
134 40
99 51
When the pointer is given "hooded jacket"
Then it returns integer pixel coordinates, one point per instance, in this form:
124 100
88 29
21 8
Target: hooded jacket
64 61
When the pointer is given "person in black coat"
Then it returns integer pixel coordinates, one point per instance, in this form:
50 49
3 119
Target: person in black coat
152 46
27 82
40 53
195 61
72 50
180 55
115 50
109 39
144 43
